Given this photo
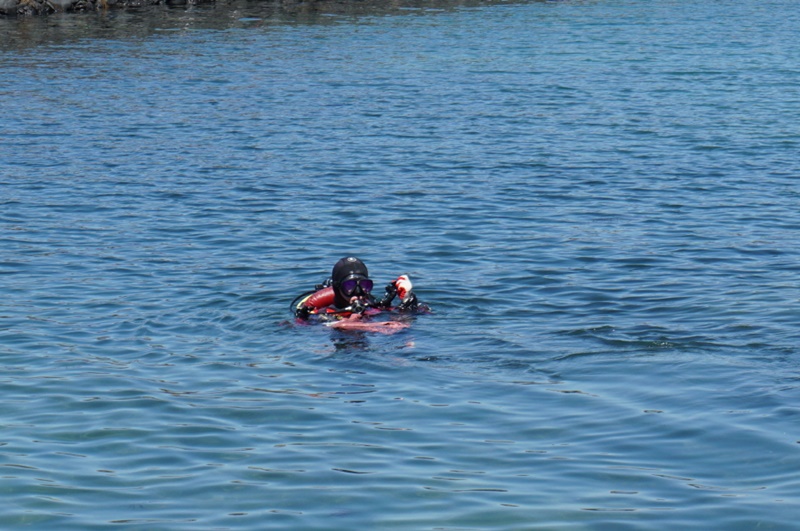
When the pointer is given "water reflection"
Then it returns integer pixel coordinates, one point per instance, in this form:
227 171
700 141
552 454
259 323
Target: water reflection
126 23
349 340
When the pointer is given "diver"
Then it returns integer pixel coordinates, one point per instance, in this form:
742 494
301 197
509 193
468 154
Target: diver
348 292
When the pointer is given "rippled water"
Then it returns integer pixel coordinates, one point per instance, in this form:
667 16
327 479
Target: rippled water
598 199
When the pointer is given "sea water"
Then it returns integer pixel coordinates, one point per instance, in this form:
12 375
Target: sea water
599 200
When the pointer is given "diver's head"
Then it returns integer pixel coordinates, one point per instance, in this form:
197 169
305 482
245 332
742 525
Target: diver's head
350 281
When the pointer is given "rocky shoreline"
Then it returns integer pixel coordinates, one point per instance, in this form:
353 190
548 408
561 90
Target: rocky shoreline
45 7
27 8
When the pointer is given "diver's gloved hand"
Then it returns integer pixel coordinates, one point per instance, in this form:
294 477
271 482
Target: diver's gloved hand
410 302
401 287
391 293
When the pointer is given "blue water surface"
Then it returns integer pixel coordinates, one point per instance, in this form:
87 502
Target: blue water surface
599 199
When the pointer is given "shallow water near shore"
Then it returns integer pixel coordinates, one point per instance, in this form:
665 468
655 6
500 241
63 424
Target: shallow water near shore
599 200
